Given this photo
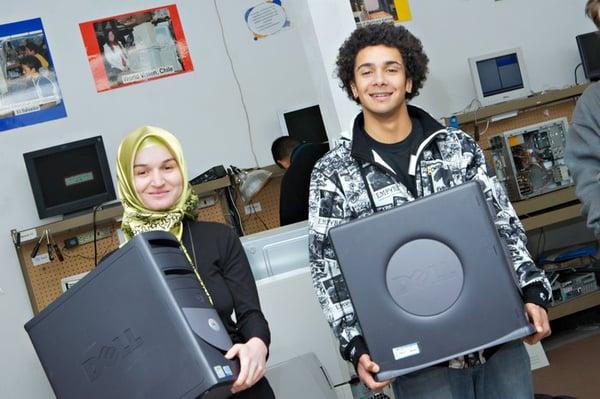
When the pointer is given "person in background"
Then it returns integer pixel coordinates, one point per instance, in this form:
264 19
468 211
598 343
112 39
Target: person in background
40 85
298 160
394 154
152 184
583 143
33 50
114 53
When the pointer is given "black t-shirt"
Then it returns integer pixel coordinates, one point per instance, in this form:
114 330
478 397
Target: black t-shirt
397 155
224 268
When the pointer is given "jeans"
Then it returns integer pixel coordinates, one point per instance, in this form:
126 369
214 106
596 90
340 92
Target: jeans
505 375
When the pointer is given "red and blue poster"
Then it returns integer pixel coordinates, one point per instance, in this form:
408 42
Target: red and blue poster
29 91
136 47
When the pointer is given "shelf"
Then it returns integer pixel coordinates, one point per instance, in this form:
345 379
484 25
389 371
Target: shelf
551 217
535 100
111 212
211 186
546 209
545 201
574 305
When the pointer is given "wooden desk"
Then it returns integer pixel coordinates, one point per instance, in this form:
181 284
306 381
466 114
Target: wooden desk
43 281
535 100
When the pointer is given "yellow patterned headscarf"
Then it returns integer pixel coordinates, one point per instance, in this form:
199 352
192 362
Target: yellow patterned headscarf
136 217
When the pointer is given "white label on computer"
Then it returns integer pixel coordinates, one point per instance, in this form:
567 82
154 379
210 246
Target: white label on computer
219 371
401 352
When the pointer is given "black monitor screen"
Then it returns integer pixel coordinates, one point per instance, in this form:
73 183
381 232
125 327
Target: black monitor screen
306 125
500 74
69 177
589 50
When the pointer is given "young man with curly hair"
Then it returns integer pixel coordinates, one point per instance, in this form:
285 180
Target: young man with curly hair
395 153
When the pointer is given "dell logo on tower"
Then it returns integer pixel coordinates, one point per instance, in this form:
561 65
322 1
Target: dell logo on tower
212 323
98 358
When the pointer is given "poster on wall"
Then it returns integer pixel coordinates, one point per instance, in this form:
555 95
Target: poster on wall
374 11
266 19
136 47
29 91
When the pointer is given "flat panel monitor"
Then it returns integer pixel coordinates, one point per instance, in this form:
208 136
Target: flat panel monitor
69 177
305 124
499 76
589 51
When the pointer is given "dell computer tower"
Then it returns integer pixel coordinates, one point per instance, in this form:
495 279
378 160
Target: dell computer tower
139 325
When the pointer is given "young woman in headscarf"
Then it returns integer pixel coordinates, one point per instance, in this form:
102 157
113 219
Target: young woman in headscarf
152 184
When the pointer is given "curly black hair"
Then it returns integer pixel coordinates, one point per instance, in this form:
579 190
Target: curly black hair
411 49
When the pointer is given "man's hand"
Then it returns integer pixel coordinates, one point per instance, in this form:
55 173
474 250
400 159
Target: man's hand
539 318
365 369
253 359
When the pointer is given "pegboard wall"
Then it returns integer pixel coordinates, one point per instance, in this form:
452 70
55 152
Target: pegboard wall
215 212
44 280
266 207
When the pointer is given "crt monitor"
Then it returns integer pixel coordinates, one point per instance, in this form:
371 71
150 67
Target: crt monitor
305 124
589 51
69 177
499 76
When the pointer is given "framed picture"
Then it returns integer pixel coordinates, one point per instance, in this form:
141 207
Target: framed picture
136 47
375 11
29 90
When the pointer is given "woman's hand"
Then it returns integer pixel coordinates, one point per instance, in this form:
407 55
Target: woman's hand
253 360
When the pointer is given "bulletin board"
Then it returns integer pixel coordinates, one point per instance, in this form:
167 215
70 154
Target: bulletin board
266 204
44 281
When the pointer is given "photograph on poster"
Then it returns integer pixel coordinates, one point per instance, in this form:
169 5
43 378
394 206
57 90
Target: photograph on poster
29 91
374 11
136 47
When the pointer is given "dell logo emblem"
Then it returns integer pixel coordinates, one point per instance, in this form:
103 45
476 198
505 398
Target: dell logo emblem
212 323
98 359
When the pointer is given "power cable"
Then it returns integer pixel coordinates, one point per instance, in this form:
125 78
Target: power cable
239 86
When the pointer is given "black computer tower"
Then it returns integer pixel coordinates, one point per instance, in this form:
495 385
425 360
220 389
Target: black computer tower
139 325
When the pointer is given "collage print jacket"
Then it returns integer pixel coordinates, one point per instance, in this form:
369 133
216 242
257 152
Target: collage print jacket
352 181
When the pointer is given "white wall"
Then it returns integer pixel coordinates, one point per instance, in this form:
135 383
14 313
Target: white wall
453 30
324 26
202 108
